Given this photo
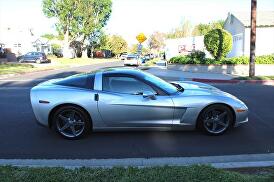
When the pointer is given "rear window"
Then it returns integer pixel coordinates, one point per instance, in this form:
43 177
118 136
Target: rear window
80 81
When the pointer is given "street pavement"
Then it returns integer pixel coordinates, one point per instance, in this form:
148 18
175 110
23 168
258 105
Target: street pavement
21 137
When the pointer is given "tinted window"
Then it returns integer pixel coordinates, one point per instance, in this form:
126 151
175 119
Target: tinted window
126 85
167 87
80 81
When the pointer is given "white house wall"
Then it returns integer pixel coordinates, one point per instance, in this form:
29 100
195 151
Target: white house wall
237 30
172 45
264 41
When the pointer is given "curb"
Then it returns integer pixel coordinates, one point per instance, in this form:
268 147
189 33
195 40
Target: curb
263 82
226 161
214 80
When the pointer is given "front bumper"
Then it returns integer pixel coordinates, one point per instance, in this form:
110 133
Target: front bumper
241 117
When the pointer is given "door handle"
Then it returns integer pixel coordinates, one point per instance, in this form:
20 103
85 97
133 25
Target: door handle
96 97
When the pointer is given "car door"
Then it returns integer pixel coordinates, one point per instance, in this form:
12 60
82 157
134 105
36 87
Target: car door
27 56
121 103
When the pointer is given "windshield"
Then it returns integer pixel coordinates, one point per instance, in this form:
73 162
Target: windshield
167 87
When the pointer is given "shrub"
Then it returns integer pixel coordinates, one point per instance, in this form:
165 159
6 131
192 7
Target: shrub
236 60
197 57
268 59
218 42
192 59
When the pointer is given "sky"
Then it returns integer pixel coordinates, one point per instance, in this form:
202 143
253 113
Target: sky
130 17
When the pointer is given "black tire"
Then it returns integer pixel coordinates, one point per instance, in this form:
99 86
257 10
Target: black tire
63 120
215 119
38 61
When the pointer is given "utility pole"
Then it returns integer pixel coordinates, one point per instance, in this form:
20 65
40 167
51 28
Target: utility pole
252 38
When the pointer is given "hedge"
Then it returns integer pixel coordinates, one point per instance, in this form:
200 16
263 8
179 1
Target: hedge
268 59
218 43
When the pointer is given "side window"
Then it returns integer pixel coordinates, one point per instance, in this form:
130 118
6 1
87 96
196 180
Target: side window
125 85
82 81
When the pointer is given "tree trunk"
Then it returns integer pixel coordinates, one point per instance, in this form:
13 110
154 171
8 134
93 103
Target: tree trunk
66 50
84 52
252 38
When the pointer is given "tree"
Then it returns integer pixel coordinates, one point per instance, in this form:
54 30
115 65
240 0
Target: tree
133 49
156 41
184 30
116 44
203 29
78 19
218 42
48 36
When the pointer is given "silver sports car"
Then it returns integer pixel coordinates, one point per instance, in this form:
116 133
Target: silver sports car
130 99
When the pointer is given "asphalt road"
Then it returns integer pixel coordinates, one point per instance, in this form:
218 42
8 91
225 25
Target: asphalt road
21 137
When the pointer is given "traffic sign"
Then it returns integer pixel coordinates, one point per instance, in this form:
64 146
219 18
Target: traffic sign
141 38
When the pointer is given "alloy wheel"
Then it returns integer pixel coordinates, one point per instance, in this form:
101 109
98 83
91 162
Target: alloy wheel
70 123
216 120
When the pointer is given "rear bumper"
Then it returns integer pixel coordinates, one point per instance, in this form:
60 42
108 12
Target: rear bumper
131 62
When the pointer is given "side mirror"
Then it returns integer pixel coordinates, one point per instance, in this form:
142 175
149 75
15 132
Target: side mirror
149 95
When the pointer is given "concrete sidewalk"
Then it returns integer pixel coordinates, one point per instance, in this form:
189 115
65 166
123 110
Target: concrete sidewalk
180 75
177 75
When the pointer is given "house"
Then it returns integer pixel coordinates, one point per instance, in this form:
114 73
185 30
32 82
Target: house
183 46
19 41
238 24
42 45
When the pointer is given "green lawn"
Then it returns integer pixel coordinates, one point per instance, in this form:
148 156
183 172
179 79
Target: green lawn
157 174
255 78
15 68
56 63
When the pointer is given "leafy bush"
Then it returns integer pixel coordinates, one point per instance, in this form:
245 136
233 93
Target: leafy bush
197 57
191 59
218 42
180 59
268 59
236 60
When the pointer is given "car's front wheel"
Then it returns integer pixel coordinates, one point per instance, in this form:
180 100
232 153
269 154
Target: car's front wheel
38 61
71 122
215 119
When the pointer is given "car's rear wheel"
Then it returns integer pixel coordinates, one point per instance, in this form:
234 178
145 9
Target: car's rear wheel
38 61
215 119
71 122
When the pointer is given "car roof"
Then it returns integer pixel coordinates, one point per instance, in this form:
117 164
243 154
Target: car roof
130 71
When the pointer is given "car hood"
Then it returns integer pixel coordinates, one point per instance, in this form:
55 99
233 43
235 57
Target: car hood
197 88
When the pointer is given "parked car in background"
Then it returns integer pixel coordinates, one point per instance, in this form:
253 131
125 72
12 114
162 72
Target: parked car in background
123 56
132 60
58 53
33 57
2 52
147 57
